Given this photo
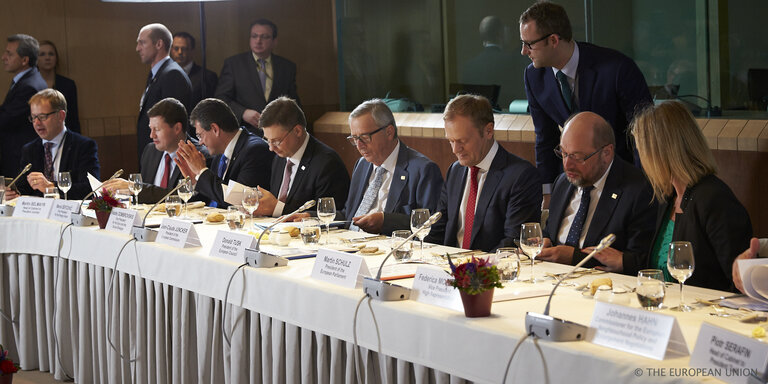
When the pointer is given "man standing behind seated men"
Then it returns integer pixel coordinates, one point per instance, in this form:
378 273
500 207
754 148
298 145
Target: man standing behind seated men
159 173
250 80
182 51
56 150
237 154
598 194
305 168
489 192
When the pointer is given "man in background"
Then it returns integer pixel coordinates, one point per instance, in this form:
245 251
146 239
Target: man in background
203 81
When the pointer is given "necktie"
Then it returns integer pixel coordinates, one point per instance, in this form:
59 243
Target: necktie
574 234
566 89
166 171
143 95
220 171
370 196
469 213
263 74
48 167
286 181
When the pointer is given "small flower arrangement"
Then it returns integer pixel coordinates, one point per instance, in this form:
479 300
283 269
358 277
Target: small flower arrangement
105 202
475 276
7 366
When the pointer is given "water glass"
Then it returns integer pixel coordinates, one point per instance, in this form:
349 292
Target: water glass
123 196
173 206
310 230
650 288
508 264
51 193
405 251
235 217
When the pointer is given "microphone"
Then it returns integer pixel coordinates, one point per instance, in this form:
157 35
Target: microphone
23 171
554 329
258 259
7 210
385 291
80 220
142 233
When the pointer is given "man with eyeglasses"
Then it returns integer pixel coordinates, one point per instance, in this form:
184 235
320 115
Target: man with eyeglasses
20 60
203 81
237 154
250 80
305 169
598 194
56 149
566 77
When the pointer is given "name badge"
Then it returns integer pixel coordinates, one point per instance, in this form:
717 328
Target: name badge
231 245
340 268
727 355
33 207
177 233
429 287
122 220
637 331
62 210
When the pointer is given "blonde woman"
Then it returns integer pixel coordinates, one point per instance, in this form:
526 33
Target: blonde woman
48 64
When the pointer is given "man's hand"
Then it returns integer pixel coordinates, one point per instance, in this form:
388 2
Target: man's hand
38 181
562 254
267 203
115 184
751 253
251 117
297 216
191 161
370 223
10 194
612 259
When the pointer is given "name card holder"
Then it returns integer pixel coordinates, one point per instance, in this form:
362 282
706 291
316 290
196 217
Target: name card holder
178 233
729 356
122 220
429 287
636 331
231 245
62 210
33 207
340 268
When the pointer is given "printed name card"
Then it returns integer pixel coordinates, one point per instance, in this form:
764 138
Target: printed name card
36 207
637 331
231 245
62 210
339 268
178 233
122 220
430 287
729 356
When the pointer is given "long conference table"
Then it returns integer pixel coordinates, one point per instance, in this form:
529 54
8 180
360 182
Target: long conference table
162 320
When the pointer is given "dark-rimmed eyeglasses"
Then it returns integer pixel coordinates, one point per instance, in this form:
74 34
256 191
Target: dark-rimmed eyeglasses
365 137
577 157
42 117
276 143
528 44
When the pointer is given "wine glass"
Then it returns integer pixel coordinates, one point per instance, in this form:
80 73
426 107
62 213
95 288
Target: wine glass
680 263
65 183
250 201
531 243
326 212
185 192
418 217
135 185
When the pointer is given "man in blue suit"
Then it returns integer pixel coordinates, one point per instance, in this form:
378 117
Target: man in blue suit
566 77
598 194
489 192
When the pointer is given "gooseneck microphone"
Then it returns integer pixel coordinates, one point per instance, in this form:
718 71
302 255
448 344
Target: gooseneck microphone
80 220
258 259
554 329
23 171
7 210
384 291
143 234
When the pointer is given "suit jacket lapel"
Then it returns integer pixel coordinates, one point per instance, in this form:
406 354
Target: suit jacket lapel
557 211
399 179
253 75
586 77
65 161
554 95
306 159
366 169
154 163
235 153
455 192
492 180
609 199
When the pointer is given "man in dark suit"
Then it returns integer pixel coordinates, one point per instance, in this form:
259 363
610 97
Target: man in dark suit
165 79
598 194
57 149
203 82
159 173
237 154
250 80
20 59
566 77
305 168
489 192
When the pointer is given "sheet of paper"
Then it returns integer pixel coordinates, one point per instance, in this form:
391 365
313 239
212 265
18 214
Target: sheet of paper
94 182
233 192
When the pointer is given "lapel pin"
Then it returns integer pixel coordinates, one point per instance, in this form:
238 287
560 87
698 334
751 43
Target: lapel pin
303 167
614 196
402 177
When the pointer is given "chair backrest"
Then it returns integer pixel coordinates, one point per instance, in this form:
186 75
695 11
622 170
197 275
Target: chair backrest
490 92
757 86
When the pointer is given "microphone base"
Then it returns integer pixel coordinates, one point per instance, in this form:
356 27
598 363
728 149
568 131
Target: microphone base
384 291
144 234
259 259
554 329
80 220
6 210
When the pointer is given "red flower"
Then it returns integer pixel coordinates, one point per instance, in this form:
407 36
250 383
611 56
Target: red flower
7 367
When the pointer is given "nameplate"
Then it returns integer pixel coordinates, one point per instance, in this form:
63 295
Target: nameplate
429 287
34 207
637 331
122 220
62 210
177 233
339 268
231 245
727 355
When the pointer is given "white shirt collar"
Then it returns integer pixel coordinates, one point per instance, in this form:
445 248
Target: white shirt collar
572 65
296 158
485 164
157 66
391 161
231 146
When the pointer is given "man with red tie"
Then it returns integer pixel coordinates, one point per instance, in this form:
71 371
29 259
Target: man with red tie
489 192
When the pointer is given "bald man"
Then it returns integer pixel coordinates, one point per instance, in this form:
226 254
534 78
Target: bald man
598 194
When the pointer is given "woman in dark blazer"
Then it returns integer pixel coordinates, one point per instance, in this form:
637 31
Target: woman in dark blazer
47 64
694 204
